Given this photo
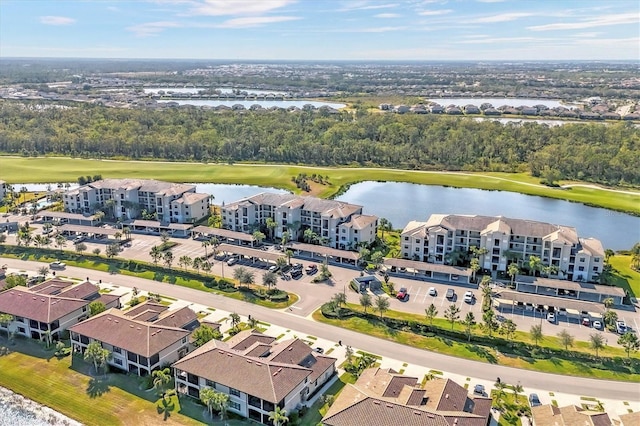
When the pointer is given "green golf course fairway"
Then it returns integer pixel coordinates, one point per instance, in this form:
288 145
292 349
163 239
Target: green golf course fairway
63 169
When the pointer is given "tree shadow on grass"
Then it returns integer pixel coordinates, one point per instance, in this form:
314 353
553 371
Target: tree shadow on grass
483 353
113 268
97 386
159 276
171 278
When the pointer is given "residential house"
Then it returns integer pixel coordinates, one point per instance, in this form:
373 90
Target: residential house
544 415
471 109
125 199
436 109
383 397
504 239
140 340
257 372
292 213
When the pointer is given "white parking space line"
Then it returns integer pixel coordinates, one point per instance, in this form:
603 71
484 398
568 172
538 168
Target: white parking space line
424 299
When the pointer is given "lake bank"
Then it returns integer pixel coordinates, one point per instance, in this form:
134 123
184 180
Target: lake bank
64 169
16 410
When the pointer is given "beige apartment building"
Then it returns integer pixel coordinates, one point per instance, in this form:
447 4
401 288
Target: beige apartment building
125 199
338 224
576 259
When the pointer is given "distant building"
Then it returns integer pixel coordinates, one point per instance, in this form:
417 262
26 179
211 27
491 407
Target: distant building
127 198
385 398
341 225
3 189
577 259
544 415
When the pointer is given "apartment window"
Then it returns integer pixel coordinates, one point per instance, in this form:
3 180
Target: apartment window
210 384
581 268
496 242
234 392
284 215
582 260
417 248
596 260
595 269
234 405
117 361
418 241
184 340
117 350
406 238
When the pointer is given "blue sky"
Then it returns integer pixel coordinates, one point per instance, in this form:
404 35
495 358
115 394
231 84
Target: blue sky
322 29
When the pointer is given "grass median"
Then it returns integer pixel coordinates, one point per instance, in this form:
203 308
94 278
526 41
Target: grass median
63 169
485 353
144 270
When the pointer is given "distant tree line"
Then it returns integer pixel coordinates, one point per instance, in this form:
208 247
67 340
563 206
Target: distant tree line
590 152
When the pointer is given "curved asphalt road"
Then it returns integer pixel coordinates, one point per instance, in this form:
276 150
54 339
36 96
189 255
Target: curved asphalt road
551 382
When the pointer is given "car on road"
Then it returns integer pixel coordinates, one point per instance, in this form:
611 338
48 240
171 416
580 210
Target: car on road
534 400
586 322
274 268
468 297
451 293
551 317
433 291
597 325
311 269
478 390
402 294
621 327
57 265
232 261
319 350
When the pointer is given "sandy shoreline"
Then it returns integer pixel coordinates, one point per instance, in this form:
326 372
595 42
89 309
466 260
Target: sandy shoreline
23 411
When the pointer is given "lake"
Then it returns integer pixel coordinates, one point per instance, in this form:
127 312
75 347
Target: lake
403 202
497 102
247 104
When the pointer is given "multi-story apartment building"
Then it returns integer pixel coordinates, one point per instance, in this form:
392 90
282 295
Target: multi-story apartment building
3 189
126 198
576 259
256 371
338 224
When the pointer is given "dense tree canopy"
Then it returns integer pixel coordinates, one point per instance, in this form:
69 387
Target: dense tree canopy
591 152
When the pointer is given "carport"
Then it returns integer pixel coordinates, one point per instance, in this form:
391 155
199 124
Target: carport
564 288
224 235
510 301
253 254
155 227
425 270
320 253
87 230
48 216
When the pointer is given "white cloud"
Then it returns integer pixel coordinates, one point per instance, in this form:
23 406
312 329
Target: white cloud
498 40
365 5
255 21
435 12
602 21
56 20
152 28
387 15
378 30
503 17
237 7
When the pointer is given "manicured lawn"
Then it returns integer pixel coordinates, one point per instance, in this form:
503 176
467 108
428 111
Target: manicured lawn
478 352
119 266
319 408
510 407
624 276
65 385
62 169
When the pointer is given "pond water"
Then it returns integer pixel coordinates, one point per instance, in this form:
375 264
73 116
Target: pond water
497 102
247 104
403 202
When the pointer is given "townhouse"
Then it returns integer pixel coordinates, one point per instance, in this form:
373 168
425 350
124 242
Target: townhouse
126 199
504 240
337 224
257 372
383 397
50 308
140 340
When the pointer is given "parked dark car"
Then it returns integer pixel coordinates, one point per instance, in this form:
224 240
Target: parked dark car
534 400
311 269
451 293
402 294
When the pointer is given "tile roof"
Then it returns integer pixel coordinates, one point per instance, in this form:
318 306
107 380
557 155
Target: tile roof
146 311
83 291
191 197
139 337
383 397
40 307
360 221
52 286
568 416
332 208
180 318
268 373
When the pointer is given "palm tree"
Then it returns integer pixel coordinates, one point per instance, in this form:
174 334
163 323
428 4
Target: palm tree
185 261
281 262
340 299
513 270
607 254
517 389
221 403
382 305
197 264
259 237
278 416
469 322
60 241
235 320
289 254
452 313
206 267
365 301
167 258
610 318
207 396
286 237
271 225
5 320
596 342
95 354
384 225
486 290
536 333
205 244
501 387
488 317
608 303
269 279
431 313
156 254
534 264
160 379
475 267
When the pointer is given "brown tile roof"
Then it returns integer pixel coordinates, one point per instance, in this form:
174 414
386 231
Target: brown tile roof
19 301
568 416
179 318
84 291
139 337
107 299
247 338
630 419
52 286
383 397
360 221
147 311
